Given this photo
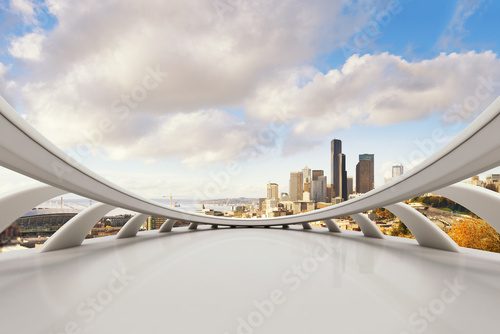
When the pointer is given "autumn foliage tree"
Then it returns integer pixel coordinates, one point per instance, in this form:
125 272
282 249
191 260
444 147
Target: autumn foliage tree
383 213
475 233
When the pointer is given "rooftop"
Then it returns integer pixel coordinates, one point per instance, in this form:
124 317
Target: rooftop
249 281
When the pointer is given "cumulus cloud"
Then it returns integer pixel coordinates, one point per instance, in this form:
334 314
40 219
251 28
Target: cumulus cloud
27 47
379 89
25 8
201 136
211 55
7 86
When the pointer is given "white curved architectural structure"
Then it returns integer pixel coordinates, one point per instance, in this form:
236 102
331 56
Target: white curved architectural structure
76 229
368 227
475 150
168 225
131 228
332 226
425 231
483 202
14 205
272 280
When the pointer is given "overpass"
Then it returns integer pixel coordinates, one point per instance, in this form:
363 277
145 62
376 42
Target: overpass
286 278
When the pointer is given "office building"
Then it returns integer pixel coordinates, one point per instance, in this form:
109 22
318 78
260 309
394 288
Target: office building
272 191
296 186
316 173
342 176
336 178
397 170
339 173
306 174
319 187
365 175
350 186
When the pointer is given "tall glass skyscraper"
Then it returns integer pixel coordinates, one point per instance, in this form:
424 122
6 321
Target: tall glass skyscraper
339 174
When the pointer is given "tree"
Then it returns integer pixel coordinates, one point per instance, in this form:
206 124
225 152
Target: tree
382 213
475 233
491 186
400 230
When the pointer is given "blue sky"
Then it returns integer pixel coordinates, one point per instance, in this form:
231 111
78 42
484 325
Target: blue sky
230 74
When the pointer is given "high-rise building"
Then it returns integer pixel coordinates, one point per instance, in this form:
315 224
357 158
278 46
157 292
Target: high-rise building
350 185
339 173
306 174
316 173
397 170
319 186
335 150
342 176
296 186
365 174
272 191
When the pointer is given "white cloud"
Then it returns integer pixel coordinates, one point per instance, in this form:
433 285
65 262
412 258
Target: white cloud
455 31
25 8
213 55
28 47
201 136
379 90
3 70
7 86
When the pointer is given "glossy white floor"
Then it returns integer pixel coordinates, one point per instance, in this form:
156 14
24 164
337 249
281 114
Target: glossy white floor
249 281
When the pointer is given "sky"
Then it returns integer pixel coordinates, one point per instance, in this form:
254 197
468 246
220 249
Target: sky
215 98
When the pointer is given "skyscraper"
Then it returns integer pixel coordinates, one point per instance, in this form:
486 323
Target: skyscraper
365 174
296 186
306 175
350 189
272 191
342 176
319 186
397 170
336 180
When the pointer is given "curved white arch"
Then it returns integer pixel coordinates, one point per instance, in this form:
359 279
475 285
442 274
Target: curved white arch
14 205
367 226
133 225
472 152
167 226
74 231
332 226
425 231
483 202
